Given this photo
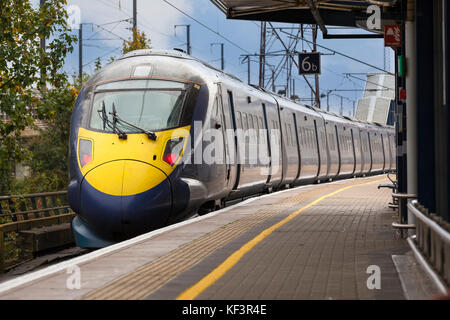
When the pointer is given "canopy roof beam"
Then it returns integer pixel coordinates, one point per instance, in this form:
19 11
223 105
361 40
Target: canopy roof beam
317 17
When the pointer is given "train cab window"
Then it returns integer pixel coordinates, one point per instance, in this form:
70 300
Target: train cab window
149 104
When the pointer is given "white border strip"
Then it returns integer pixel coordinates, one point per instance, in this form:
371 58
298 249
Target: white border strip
8 285
426 266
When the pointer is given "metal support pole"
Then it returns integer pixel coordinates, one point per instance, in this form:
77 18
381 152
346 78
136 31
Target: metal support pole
188 36
134 15
316 76
411 112
273 80
248 69
262 55
293 86
328 101
222 57
287 73
80 52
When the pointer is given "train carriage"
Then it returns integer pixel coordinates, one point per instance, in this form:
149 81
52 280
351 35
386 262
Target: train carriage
158 136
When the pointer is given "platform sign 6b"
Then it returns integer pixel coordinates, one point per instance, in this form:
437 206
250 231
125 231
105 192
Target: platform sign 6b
308 63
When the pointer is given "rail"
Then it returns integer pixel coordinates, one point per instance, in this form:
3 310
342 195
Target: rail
26 212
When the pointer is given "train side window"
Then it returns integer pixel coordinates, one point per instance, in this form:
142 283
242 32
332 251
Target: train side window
291 137
239 116
285 133
307 138
244 121
333 139
308 132
303 135
313 132
255 120
288 137
250 122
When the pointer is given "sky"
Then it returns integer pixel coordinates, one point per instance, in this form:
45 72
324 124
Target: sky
106 23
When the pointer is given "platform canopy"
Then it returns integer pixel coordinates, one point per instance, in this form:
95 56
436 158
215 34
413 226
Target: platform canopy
321 12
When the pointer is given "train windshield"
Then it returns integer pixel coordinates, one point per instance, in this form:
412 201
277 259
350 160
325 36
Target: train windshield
152 105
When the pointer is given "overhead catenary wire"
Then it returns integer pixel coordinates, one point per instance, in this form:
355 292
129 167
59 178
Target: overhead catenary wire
346 56
206 27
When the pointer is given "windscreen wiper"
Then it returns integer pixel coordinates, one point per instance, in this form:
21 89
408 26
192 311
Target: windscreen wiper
106 122
150 135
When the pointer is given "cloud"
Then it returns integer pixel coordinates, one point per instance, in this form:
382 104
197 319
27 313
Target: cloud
155 18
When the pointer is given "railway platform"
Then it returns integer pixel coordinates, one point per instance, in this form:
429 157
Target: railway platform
323 241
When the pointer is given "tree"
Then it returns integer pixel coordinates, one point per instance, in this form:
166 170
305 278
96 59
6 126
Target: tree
137 41
49 151
26 70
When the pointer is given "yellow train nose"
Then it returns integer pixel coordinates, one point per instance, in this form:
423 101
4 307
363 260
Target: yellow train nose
124 177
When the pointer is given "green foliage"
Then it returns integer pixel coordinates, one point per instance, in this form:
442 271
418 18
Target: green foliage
138 41
98 64
49 150
26 69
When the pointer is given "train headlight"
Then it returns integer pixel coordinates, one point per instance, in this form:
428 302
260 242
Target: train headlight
173 150
85 152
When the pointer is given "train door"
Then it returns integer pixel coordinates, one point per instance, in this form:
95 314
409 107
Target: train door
356 150
333 155
387 152
297 141
279 125
322 147
338 149
224 125
366 152
316 139
290 148
393 151
233 167
272 124
269 152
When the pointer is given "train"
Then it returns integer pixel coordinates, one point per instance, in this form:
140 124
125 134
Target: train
158 136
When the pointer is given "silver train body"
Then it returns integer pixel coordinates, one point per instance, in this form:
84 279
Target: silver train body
306 144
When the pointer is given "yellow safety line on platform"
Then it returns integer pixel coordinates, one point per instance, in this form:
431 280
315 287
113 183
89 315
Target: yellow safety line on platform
195 290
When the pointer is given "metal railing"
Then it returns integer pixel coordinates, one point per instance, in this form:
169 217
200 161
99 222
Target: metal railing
26 212
33 206
432 239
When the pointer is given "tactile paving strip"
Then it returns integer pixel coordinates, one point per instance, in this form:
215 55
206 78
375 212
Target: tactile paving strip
148 278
